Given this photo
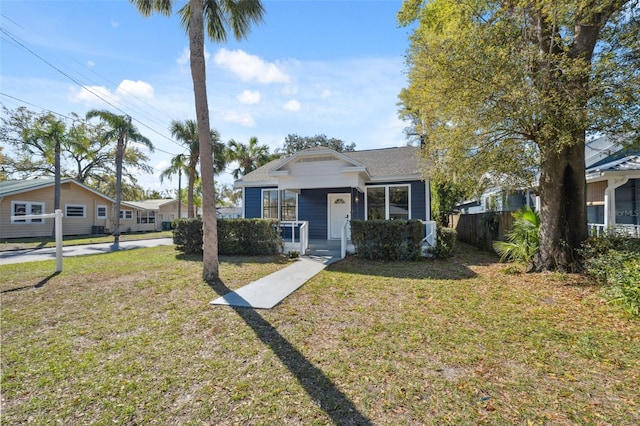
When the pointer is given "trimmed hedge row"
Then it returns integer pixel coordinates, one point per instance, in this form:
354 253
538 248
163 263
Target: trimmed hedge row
248 237
387 239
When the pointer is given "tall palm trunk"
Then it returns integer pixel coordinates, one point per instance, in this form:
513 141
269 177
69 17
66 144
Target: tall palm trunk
191 183
210 270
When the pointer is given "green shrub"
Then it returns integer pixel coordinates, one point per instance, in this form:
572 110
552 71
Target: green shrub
247 237
445 243
387 239
613 260
187 235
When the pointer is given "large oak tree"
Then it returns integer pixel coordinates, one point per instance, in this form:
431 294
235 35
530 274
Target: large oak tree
501 90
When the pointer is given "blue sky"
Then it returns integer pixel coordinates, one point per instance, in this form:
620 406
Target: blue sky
328 67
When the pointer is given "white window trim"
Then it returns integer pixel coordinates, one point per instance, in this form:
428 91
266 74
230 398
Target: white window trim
84 211
279 192
106 211
386 198
28 205
124 214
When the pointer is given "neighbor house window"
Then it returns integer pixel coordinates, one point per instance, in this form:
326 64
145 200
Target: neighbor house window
146 216
390 202
126 214
101 212
75 210
23 208
282 205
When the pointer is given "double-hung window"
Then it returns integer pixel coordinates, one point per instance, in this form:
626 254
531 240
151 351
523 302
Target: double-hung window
388 202
126 214
75 210
101 211
146 216
282 205
25 208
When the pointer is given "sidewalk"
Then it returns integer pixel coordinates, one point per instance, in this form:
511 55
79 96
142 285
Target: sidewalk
268 291
33 255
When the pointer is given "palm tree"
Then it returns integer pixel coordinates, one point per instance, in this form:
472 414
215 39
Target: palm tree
52 132
523 241
221 16
249 157
178 165
187 133
121 129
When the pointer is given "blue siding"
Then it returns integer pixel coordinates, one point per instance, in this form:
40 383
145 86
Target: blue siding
253 202
312 207
419 209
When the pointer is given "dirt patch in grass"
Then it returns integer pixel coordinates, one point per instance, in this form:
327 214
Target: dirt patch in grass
129 338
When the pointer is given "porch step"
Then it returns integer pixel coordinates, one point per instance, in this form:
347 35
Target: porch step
324 248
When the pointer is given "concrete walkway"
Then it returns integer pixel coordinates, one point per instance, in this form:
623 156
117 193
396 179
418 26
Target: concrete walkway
268 291
32 255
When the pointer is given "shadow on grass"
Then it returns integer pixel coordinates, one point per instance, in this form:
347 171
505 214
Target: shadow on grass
39 284
318 386
236 260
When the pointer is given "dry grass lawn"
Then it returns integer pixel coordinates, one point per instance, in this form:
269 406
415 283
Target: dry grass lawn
129 338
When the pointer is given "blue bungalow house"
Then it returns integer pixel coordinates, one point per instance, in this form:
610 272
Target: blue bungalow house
316 191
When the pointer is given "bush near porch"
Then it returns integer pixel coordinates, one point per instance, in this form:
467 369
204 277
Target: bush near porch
387 239
247 237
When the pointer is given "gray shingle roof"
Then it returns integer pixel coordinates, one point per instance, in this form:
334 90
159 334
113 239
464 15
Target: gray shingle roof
17 186
399 162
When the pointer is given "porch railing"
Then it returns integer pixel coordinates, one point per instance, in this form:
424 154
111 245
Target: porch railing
430 233
302 242
343 240
596 229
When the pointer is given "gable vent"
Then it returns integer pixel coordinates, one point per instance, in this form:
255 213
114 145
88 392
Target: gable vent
313 159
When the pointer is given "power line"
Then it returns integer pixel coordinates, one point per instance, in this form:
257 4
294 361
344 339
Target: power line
85 87
65 116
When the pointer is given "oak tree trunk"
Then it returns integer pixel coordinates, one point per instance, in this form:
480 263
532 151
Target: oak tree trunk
563 214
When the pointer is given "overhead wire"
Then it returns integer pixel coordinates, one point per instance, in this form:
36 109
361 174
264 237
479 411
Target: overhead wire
15 40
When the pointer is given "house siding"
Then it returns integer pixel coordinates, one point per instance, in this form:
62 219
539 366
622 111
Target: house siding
70 194
312 207
253 202
418 197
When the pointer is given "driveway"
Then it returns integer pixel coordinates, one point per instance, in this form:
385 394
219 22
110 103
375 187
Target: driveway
32 255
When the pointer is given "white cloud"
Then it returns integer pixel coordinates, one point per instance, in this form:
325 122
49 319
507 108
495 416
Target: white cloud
250 67
91 64
138 89
242 119
292 105
93 95
114 23
248 97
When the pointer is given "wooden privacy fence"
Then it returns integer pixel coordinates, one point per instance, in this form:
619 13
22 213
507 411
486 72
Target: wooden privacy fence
482 229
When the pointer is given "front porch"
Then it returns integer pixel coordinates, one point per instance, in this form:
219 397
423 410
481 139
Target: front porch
295 235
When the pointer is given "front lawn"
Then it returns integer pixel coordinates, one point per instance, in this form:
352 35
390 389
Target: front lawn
129 338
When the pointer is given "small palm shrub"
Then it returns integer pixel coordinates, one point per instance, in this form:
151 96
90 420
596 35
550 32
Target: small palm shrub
524 239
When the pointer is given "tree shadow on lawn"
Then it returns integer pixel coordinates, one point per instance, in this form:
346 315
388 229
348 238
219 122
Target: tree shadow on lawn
318 386
237 260
39 284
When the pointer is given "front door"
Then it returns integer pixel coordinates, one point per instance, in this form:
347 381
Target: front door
339 211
